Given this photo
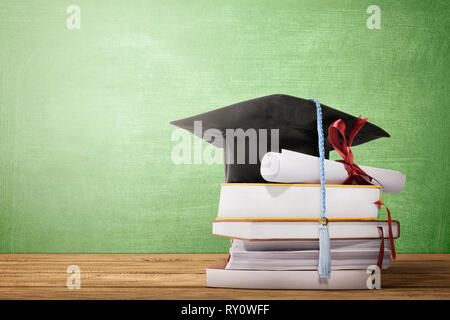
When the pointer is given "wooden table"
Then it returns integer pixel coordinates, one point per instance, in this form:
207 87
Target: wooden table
182 276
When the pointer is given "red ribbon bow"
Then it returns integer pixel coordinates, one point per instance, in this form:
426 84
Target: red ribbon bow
355 173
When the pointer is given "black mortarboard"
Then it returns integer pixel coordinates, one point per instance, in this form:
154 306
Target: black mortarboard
294 117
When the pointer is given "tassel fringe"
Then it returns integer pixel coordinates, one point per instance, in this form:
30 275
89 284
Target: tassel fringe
324 253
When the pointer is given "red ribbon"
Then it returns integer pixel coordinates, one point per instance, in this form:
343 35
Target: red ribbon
381 252
391 236
355 173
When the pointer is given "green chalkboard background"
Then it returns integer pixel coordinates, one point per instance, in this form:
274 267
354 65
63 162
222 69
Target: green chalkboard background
85 140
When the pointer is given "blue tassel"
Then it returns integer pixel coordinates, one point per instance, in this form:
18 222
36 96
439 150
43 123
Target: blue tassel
324 253
324 236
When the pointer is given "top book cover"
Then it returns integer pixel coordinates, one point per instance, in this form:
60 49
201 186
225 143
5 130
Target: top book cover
298 201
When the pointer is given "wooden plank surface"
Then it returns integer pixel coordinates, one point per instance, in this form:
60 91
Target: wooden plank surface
182 276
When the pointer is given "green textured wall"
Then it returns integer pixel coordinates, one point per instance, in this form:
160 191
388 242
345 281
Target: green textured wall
84 135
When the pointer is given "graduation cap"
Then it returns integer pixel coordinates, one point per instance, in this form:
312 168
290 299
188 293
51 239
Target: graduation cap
279 121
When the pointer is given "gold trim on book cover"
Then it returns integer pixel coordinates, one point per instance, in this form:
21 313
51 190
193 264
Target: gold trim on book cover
304 185
219 219
294 239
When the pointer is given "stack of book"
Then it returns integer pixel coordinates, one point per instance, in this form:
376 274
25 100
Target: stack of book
282 222
275 236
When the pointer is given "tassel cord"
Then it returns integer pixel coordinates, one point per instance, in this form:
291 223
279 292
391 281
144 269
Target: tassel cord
324 236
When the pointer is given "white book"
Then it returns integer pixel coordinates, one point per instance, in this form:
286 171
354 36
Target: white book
311 264
218 276
287 245
305 259
239 200
304 230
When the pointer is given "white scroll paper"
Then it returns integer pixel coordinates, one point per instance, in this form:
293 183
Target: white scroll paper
294 167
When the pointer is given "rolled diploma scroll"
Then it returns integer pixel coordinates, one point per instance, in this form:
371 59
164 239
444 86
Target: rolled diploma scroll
294 167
